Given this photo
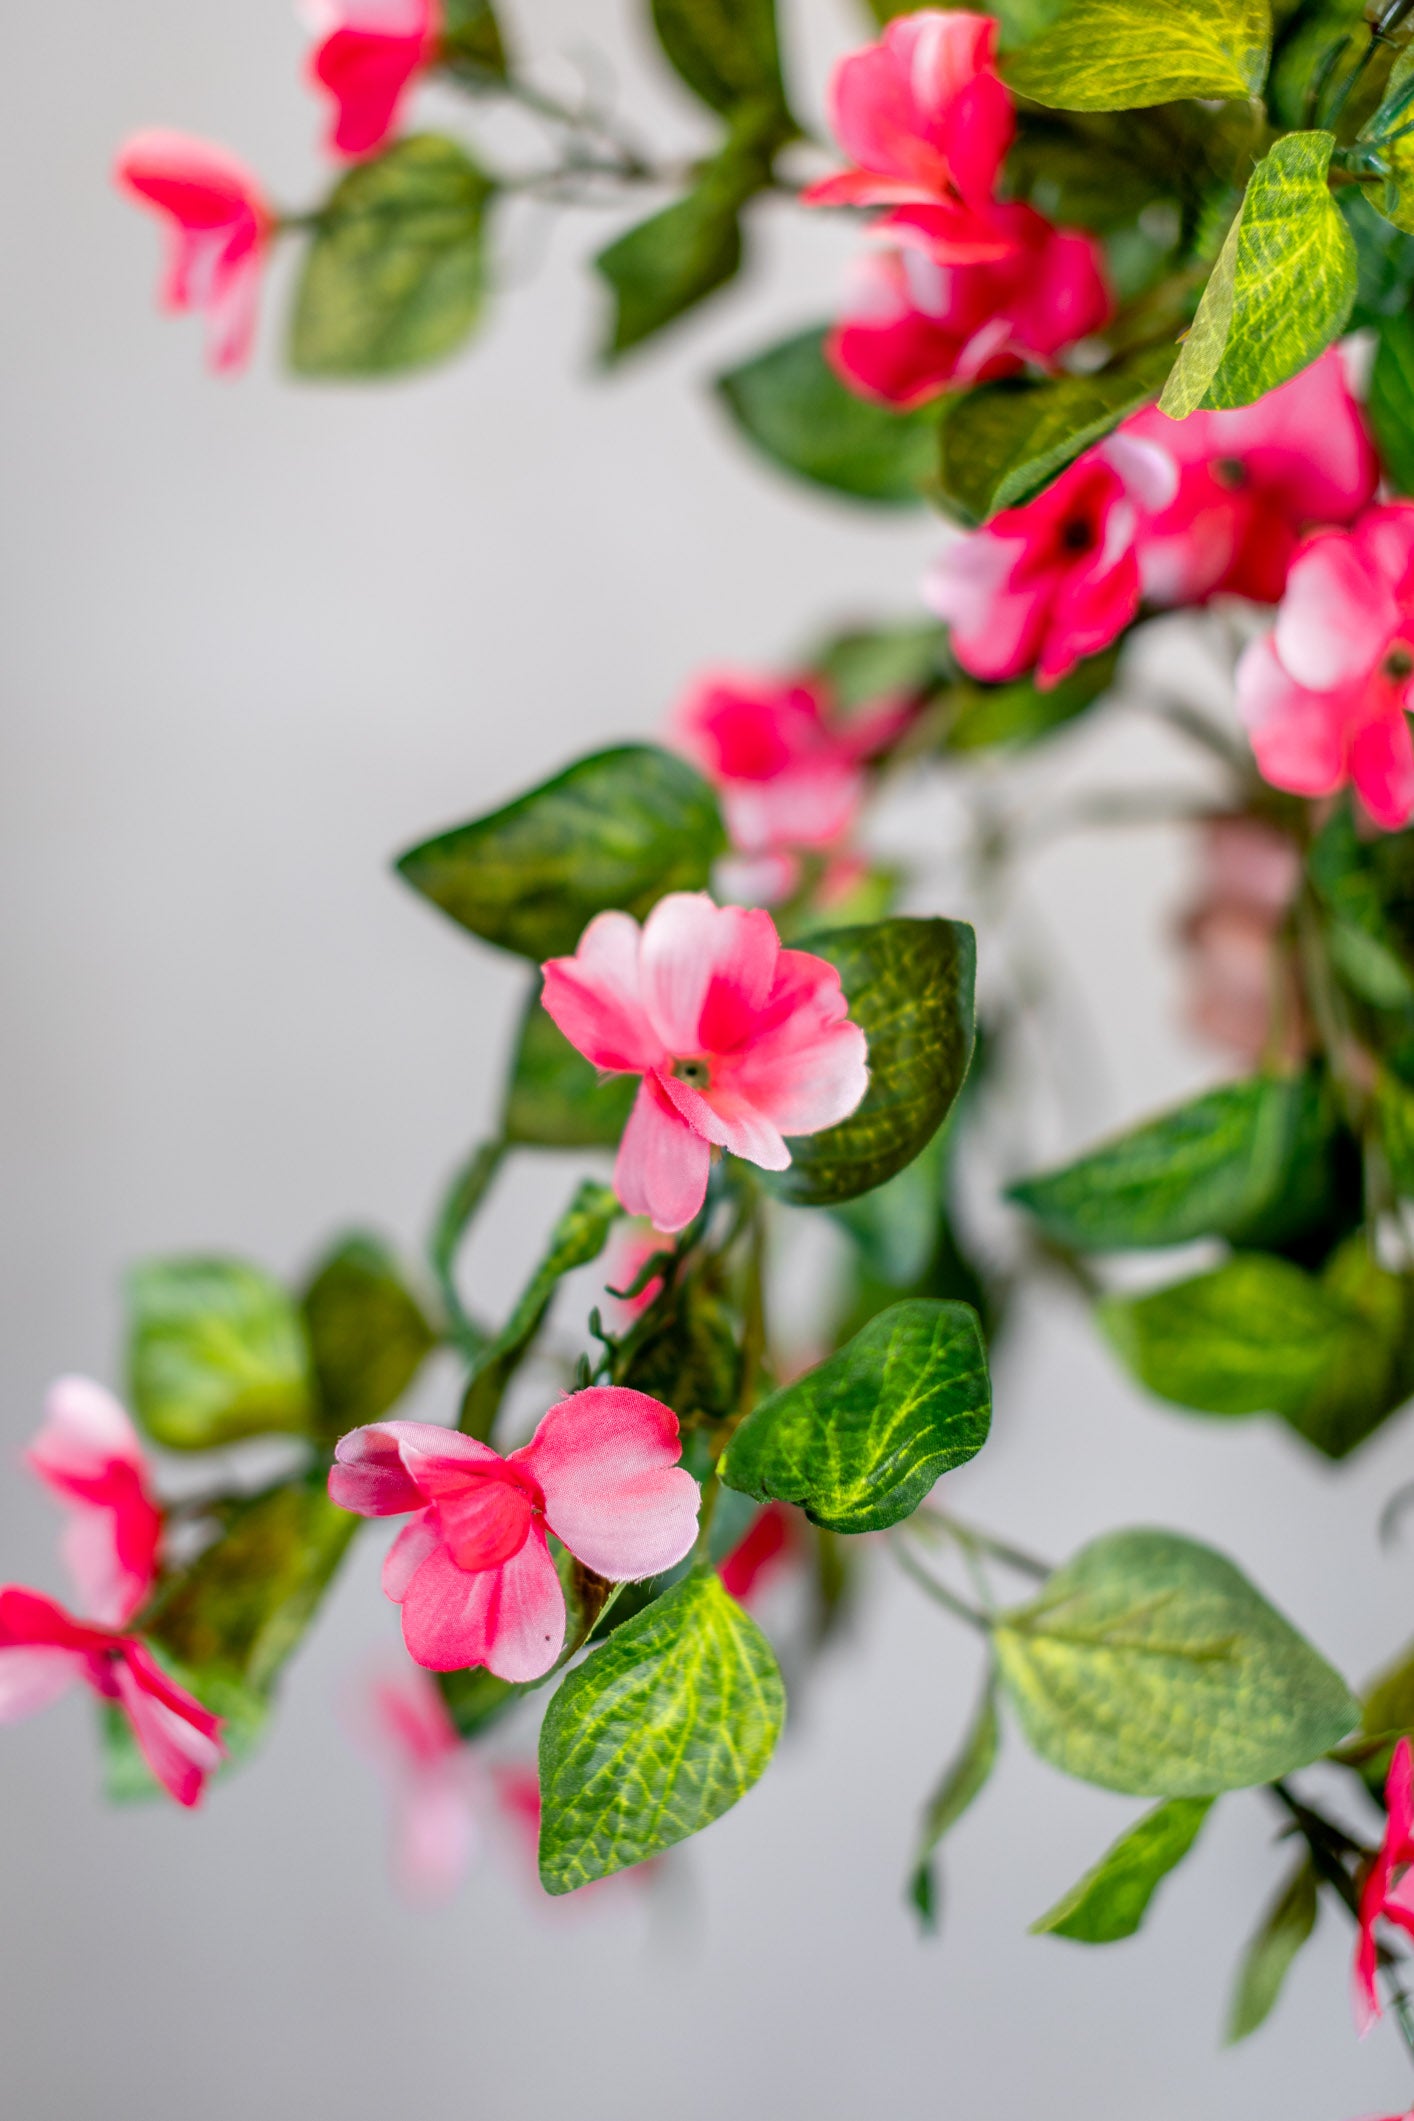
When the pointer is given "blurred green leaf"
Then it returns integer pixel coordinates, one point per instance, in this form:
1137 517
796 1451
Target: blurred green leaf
790 404
395 273
619 828
867 664
555 1097
1281 291
1390 404
963 1782
367 1332
476 1699
470 45
860 1440
1124 54
727 51
656 1734
980 716
216 1351
1112 1899
1269 1957
909 984
1387 1716
1149 1664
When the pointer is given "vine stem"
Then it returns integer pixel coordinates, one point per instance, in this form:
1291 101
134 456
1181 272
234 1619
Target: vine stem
928 1583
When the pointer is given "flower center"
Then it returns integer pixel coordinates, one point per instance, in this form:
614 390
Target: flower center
695 1073
1230 472
1077 535
1398 664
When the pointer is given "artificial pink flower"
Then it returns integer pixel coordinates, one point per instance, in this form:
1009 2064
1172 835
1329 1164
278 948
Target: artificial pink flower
1056 580
369 54
739 1042
219 228
429 1770
1325 694
1250 483
762 1551
915 327
1388 1891
634 1245
925 118
88 1453
1250 875
44 1651
473 1572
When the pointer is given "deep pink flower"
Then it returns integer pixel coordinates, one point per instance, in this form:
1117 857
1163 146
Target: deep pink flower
1388 1891
430 1774
1056 580
44 1651
927 122
473 1572
762 1551
88 1453
219 228
739 1042
914 327
369 54
1325 694
1250 483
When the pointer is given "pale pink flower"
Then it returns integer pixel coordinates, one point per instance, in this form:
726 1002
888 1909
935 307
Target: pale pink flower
1044 585
88 1453
368 56
1250 875
1325 694
634 1245
926 120
219 226
473 1572
44 1651
1251 483
739 1042
1388 1892
915 326
431 1782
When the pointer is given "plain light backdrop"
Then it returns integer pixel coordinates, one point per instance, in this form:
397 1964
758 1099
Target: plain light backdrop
258 636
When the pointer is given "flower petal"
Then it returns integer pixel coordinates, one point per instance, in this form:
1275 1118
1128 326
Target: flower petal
177 1737
662 1166
705 969
595 997
31 1679
607 1463
407 1553
392 1466
1336 617
510 1619
1297 736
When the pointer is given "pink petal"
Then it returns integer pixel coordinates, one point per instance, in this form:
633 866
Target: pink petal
595 997
980 126
485 1522
407 1553
1297 736
29 1620
88 1452
366 74
31 1679
1382 765
176 1736
435 1836
510 1619
198 184
723 1116
607 1462
392 1466
85 1431
411 1720
662 1166
1336 617
705 969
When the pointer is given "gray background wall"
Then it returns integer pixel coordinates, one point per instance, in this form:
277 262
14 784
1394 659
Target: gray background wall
256 637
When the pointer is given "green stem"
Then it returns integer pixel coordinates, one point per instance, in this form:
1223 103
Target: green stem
939 1592
969 1535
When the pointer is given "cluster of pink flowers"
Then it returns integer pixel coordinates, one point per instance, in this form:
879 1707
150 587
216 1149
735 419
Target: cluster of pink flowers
89 1456
963 286
219 222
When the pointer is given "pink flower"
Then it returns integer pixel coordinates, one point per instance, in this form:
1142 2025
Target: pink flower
219 226
1250 483
927 122
369 54
739 1042
1251 874
633 1247
1325 694
88 1453
433 1793
915 327
44 1651
763 1549
1388 1891
1057 579
473 1572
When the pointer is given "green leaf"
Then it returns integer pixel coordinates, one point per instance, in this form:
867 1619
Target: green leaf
1269 1957
1387 1716
860 1440
1367 890
1003 443
1390 405
909 985
367 1333
216 1351
1128 54
866 664
476 1698
1019 20
663 267
619 828
1149 1664
555 1097
470 46
395 274
790 405
578 1237
981 716
1281 291
726 51
1258 1336
965 1779
237 1611
656 1734
1250 1162
1112 1899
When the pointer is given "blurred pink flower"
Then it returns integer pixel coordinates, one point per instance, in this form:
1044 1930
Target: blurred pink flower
926 120
739 1042
432 1785
89 1455
369 54
1056 580
1325 694
1250 483
1388 1891
1250 874
763 1550
915 326
219 225
473 1572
